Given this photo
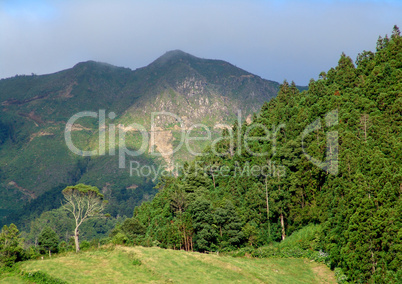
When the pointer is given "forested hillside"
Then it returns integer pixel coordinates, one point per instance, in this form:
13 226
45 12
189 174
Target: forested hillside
260 190
35 162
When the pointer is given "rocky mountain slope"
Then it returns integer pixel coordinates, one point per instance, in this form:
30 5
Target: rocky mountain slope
36 162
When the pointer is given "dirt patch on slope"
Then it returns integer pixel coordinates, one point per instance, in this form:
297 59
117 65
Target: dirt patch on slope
25 191
323 274
41 133
66 93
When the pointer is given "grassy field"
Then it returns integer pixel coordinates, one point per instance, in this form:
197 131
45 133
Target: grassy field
155 265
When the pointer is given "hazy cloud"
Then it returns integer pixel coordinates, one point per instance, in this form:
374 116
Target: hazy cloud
273 39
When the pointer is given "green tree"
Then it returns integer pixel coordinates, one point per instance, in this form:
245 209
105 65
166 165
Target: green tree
229 224
48 241
203 223
128 231
11 245
83 202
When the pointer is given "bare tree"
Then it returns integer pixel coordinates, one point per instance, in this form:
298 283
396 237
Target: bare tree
266 199
83 202
365 124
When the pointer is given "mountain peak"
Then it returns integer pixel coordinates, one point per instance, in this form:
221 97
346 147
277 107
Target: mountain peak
94 64
173 56
96 67
176 53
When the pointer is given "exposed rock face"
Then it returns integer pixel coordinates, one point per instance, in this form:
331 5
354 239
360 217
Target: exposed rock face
193 91
161 141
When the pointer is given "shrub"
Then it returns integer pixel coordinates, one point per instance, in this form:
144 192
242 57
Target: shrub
307 237
85 245
119 239
41 277
134 260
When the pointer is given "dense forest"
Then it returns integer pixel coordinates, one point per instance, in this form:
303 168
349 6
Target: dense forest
223 202
326 161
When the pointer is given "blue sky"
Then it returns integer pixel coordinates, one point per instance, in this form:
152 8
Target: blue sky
277 40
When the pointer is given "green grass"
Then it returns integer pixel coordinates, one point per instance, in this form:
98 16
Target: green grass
13 279
144 265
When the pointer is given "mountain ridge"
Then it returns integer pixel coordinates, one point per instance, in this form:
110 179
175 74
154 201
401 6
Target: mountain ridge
35 108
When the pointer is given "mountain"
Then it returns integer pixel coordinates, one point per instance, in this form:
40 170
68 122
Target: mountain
36 163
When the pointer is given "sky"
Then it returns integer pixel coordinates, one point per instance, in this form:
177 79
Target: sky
277 40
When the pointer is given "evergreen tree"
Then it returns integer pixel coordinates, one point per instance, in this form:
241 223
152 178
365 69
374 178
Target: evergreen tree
205 232
229 226
11 245
48 241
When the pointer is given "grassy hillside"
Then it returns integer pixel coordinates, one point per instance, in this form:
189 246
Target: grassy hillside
121 265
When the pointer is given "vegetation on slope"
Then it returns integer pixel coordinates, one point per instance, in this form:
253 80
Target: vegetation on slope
220 203
35 163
